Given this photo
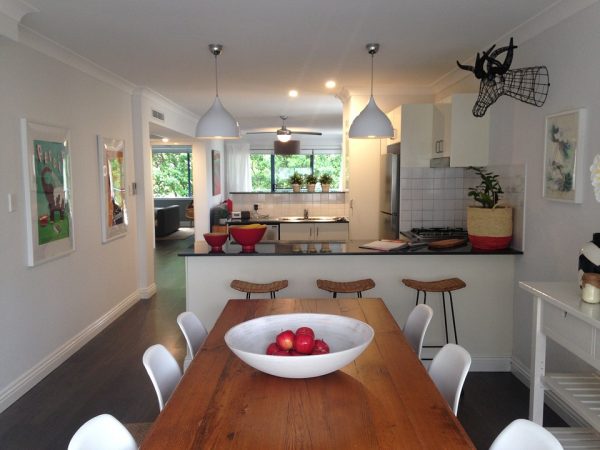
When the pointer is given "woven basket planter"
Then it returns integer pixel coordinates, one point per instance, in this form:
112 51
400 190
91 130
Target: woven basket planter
490 228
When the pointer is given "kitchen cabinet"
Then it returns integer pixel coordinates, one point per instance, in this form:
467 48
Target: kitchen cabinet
446 129
311 231
560 314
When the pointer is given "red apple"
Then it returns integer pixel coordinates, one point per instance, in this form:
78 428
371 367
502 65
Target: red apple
320 347
305 330
285 339
304 343
282 353
272 348
295 353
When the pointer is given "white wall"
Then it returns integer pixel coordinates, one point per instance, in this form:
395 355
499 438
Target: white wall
45 307
554 232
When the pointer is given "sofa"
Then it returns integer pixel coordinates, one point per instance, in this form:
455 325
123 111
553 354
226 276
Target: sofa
166 220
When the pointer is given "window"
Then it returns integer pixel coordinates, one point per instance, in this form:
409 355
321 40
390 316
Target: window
271 172
172 171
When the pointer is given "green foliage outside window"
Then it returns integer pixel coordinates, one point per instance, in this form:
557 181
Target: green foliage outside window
285 166
172 174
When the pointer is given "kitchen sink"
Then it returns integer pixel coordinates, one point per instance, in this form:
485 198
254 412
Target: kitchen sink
310 219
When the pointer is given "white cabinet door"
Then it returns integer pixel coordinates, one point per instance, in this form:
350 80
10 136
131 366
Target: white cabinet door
296 231
469 135
331 232
417 135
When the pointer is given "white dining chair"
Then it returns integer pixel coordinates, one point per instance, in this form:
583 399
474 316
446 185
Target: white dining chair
102 432
448 371
163 370
194 332
416 326
523 434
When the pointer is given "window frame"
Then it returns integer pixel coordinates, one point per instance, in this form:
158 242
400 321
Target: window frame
177 149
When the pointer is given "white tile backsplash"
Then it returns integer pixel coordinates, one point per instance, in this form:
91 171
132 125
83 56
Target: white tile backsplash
285 204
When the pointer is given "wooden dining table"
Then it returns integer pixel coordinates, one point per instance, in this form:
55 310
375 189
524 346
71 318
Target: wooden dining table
384 399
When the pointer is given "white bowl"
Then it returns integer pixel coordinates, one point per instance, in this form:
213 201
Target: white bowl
347 338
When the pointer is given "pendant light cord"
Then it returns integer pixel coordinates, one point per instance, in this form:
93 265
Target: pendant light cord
216 76
372 60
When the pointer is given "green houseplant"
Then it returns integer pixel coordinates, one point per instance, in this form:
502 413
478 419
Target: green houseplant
296 181
311 181
325 179
489 224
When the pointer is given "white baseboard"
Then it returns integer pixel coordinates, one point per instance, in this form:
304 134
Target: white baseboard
147 292
566 413
21 385
478 363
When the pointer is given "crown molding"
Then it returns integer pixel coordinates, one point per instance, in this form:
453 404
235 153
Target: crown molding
160 101
11 13
536 25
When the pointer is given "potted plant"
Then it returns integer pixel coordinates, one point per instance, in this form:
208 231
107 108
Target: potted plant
311 182
296 181
325 179
489 224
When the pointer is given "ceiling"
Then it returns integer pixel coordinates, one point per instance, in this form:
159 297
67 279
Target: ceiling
272 46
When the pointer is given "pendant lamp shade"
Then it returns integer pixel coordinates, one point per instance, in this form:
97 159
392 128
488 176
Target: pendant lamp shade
371 123
217 123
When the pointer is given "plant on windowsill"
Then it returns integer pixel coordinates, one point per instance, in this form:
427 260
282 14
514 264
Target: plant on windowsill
296 181
489 224
325 179
311 182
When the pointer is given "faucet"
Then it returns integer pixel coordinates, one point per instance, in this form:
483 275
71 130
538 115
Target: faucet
306 213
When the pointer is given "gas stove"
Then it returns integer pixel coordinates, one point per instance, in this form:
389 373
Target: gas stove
435 233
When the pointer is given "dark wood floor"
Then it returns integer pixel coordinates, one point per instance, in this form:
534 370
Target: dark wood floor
107 376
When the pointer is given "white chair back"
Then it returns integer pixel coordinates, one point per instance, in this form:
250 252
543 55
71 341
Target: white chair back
102 432
448 371
523 434
193 330
416 326
163 370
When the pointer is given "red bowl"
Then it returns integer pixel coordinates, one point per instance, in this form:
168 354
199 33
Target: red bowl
215 240
247 237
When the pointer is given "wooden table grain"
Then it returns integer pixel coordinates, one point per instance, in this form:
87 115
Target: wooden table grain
383 400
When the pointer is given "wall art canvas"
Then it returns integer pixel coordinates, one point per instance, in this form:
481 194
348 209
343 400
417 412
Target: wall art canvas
48 191
216 172
113 193
563 156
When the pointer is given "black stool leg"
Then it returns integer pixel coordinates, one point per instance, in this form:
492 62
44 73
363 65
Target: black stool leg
453 320
247 295
424 297
335 295
445 318
417 302
359 294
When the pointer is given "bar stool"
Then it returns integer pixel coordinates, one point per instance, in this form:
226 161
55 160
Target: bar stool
257 288
346 287
443 286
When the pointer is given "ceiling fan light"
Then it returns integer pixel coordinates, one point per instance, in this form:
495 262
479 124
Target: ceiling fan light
371 123
284 137
217 123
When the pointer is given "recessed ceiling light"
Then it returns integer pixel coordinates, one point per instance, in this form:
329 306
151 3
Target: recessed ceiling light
293 93
330 84
165 140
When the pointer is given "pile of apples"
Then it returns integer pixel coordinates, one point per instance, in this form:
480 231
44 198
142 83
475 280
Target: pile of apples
301 343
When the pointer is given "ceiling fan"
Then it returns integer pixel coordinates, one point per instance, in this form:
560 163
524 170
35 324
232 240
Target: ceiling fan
284 134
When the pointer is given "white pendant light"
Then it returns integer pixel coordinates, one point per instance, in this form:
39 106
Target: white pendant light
217 123
371 123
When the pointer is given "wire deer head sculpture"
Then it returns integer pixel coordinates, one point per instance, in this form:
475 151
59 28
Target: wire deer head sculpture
528 84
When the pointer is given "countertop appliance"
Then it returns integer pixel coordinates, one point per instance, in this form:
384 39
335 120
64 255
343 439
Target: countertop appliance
435 234
389 207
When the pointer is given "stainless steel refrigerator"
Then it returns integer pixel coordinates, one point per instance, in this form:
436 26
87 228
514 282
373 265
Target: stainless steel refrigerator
389 196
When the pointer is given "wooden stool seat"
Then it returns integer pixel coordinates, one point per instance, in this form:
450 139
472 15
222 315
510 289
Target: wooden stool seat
346 287
445 286
259 288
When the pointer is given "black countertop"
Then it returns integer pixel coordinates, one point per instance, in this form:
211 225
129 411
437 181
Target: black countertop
279 220
303 248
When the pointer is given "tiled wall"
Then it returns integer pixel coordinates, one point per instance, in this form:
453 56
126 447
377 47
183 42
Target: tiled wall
439 197
291 204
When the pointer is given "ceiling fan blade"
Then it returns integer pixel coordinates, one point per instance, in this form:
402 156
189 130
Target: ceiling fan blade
260 132
316 133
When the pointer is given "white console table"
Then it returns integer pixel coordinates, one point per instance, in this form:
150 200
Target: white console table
560 314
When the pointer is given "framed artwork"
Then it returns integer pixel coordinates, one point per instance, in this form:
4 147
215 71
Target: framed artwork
113 193
48 192
563 156
216 172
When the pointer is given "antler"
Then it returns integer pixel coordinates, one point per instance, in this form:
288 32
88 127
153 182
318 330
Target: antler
478 70
494 67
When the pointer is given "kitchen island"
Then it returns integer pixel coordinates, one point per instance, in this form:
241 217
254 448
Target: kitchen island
483 309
